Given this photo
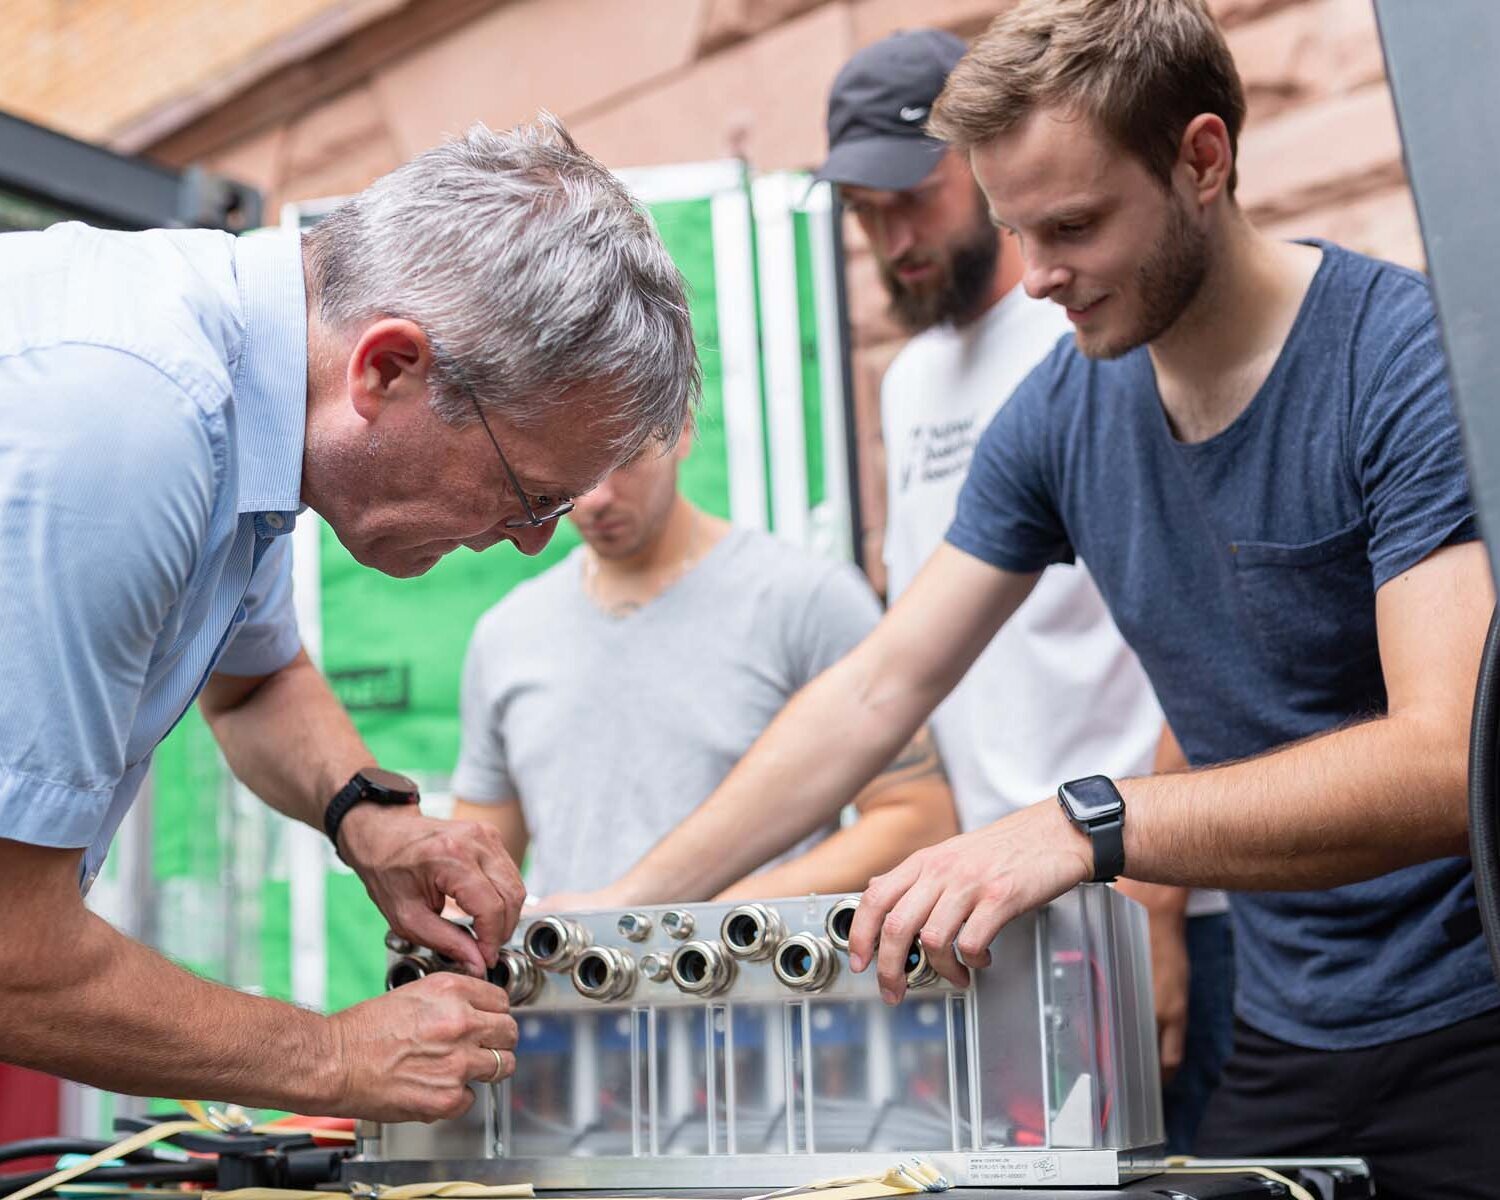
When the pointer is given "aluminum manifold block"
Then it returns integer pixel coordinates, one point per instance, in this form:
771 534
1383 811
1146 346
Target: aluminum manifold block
729 1044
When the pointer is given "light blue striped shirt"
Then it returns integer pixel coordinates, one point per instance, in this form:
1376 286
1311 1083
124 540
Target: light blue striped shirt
153 391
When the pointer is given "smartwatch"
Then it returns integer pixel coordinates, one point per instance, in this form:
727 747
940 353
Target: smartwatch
1095 806
374 785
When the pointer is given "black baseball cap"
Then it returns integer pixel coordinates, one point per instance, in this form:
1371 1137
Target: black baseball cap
878 107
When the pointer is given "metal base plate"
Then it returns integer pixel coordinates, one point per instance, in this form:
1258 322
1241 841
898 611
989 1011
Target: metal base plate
997 1168
724 1176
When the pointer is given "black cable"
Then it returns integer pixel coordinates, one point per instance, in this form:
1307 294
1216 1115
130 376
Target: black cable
147 1173
1484 791
55 1147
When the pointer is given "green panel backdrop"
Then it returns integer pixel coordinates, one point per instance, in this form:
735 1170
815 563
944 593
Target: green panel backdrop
807 329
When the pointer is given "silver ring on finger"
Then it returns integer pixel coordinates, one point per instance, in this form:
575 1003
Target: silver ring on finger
499 1066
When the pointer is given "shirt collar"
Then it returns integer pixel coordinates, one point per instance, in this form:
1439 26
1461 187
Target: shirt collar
270 381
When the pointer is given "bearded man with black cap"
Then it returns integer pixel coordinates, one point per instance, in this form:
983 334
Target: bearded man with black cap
1057 689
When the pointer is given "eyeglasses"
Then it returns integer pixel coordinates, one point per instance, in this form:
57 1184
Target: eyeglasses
547 509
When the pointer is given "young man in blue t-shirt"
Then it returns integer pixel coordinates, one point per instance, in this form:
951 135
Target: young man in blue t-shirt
1252 445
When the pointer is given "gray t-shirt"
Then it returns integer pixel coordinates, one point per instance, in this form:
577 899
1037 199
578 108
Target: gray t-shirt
611 730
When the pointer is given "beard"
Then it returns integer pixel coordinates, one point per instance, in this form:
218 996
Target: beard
961 291
629 542
1168 279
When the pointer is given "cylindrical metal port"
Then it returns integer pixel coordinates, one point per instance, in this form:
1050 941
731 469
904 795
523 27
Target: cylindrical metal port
752 931
805 962
554 943
516 975
655 967
839 920
604 973
397 944
701 968
919 972
407 969
677 923
634 926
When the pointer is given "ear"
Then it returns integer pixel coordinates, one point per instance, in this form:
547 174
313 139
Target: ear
685 442
390 362
1205 157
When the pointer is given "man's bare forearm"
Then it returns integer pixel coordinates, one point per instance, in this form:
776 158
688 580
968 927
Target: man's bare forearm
154 1028
848 859
826 743
1167 905
290 741
906 806
287 738
1348 805
836 733
79 999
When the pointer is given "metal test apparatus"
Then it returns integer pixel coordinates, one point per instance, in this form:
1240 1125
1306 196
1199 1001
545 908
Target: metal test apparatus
730 1045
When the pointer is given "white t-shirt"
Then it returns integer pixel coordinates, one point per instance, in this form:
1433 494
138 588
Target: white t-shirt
1057 694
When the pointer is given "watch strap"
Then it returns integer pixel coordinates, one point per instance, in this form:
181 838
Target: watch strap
1104 829
1108 838
338 808
356 791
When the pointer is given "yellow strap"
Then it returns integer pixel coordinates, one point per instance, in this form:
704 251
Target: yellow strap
895 1181
458 1190
199 1112
869 1189
258 1193
410 1191
136 1141
912 1174
203 1121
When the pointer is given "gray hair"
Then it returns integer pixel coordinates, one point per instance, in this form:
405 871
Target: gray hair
535 275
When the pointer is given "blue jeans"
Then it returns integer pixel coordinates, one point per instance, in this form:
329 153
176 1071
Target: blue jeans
1210 1028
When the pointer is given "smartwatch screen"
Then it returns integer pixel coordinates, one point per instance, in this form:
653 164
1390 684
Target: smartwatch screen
387 785
1095 796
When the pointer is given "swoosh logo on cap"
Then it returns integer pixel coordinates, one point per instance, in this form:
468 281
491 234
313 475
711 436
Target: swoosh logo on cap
912 112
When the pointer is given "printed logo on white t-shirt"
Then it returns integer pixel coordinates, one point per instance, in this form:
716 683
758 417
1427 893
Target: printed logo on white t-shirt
937 450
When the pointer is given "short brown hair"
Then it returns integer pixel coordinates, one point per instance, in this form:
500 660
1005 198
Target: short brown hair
1141 69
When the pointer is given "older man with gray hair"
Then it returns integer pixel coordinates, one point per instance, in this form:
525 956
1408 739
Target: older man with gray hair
445 361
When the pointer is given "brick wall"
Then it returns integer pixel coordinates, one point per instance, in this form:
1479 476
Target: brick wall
653 81
89 67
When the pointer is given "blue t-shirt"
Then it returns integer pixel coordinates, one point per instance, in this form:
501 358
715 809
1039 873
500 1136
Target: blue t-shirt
1242 570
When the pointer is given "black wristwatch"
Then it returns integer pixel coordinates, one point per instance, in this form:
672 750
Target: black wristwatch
372 784
1095 805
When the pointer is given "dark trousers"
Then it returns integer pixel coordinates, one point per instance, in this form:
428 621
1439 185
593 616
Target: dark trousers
1210 1028
1424 1112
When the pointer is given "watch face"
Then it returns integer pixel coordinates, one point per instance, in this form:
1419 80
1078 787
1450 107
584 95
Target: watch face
1093 797
397 787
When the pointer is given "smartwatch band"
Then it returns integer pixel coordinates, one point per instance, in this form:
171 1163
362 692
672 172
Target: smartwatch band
359 789
1109 849
1094 806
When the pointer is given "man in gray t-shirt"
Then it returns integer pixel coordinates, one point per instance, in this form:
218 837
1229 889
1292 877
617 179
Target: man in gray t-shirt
606 698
